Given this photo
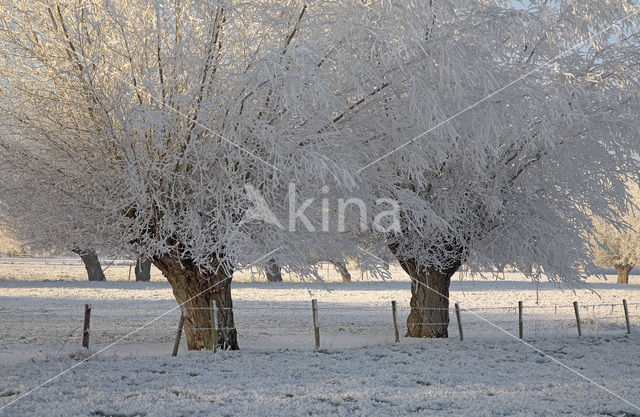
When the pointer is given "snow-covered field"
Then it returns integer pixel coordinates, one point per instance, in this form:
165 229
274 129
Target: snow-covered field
358 371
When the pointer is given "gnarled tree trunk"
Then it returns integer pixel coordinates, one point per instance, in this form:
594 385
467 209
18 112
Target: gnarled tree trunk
91 263
272 271
194 290
344 272
623 273
143 270
429 315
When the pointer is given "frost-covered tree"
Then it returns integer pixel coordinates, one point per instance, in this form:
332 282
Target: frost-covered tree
341 267
618 245
143 270
273 271
9 246
91 263
153 117
134 126
495 143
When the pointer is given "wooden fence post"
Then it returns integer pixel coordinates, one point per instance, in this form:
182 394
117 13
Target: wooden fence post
176 344
520 322
626 316
85 328
316 329
459 321
130 272
214 325
575 308
395 321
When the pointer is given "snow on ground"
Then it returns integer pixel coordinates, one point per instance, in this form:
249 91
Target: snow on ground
422 378
358 371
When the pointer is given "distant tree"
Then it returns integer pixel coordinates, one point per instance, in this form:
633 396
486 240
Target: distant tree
91 263
9 246
273 271
143 270
618 245
341 267
274 274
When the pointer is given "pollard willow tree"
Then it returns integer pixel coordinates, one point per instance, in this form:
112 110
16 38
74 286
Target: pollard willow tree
135 126
502 129
33 202
618 244
517 171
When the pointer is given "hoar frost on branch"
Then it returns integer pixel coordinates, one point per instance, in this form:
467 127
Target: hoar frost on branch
136 126
507 180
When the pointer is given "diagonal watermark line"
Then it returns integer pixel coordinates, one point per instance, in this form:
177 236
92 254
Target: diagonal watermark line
146 93
513 336
130 333
501 89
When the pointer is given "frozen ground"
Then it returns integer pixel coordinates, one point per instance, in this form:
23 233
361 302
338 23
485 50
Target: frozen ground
434 377
359 370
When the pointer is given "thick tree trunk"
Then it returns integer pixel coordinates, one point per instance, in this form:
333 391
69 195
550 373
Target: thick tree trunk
143 270
623 273
91 263
344 272
194 290
272 271
429 315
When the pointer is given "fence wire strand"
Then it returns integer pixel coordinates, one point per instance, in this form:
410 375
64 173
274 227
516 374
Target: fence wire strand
256 322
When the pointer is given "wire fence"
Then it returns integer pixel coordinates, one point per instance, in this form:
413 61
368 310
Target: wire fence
282 326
